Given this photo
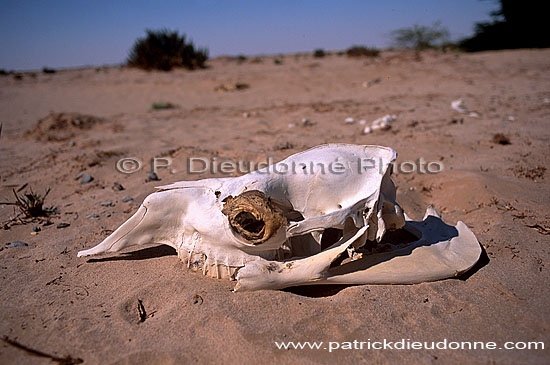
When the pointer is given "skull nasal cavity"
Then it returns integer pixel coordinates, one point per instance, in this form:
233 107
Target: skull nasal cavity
249 223
253 216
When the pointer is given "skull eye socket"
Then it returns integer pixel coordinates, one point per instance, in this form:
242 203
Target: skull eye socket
249 223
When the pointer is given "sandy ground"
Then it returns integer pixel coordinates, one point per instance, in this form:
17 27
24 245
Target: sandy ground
86 308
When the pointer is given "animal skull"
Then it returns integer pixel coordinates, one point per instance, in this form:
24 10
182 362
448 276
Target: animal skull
294 223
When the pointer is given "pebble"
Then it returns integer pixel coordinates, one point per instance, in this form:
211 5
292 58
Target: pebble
18 244
107 204
372 82
118 186
152 176
127 199
92 216
36 228
63 225
383 123
306 122
349 120
84 178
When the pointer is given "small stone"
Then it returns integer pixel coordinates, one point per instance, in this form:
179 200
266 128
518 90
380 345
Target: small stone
63 225
117 186
72 143
372 82
36 228
349 120
502 139
367 130
127 198
18 244
107 204
197 299
383 123
92 216
306 122
152 176
84 178
362 122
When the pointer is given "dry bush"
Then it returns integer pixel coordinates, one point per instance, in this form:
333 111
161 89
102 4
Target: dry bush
164 50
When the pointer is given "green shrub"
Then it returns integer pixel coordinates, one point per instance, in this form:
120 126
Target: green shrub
361 51
420 36
165 50
319 53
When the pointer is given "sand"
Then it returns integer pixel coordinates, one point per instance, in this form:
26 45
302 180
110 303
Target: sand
62 305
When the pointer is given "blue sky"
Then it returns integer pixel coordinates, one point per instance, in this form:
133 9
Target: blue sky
70 33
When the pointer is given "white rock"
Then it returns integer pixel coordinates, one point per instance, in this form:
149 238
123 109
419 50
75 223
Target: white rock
349 120
383 123
457 105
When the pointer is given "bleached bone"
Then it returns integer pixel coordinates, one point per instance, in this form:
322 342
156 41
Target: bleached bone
267 229
458 105
382 123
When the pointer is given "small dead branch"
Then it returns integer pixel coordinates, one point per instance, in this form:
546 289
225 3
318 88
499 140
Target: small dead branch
540 229
31 205
142 314
67 360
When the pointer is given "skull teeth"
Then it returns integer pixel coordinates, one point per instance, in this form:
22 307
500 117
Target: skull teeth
201 263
